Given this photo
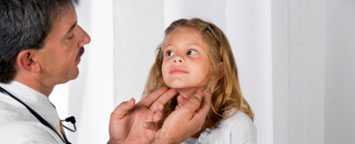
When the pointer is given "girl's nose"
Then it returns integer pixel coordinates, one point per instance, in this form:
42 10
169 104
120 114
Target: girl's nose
178 59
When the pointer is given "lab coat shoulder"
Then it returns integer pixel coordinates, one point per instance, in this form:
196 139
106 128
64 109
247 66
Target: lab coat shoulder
26 132
12 111
18 126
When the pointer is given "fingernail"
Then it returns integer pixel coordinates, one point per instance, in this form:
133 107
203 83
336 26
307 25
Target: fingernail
132 100
160 107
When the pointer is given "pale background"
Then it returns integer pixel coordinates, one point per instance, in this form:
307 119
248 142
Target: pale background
295 59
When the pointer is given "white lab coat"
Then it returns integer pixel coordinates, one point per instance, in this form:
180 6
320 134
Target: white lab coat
18 125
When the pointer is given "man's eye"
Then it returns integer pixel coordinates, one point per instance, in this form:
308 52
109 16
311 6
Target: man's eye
191 52
70 37
169 53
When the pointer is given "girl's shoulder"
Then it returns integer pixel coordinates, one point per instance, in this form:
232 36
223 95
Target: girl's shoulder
237 128
238 120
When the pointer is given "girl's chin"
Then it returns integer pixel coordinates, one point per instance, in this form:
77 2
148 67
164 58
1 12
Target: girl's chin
177 86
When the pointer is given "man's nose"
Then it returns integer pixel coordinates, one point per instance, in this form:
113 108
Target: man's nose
85 37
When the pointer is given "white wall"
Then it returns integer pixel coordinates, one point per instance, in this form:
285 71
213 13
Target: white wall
97 102
280 71
298 71
340 76
248 26
210 10
313 71
138 32
306 72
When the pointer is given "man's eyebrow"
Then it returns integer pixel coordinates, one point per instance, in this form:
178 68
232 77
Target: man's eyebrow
72 27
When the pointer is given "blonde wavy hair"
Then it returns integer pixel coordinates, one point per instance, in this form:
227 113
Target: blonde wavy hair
223 80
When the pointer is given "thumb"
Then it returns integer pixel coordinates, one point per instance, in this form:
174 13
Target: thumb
122 109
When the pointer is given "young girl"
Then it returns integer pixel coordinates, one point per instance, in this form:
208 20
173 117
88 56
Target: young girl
196 54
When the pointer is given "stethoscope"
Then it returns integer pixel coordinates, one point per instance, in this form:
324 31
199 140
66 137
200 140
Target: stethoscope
41 119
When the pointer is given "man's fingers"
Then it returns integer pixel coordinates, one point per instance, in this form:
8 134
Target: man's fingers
157 107
149 99
202 113
159 104
151 125
193 104
158 116
122 109
207 97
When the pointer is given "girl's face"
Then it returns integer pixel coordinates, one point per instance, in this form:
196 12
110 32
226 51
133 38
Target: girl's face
185 60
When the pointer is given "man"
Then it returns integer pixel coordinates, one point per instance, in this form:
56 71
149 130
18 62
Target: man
40 47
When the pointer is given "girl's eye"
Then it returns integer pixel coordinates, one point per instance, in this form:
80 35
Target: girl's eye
191 52
169 53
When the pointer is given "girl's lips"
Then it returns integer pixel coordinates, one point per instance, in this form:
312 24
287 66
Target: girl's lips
177 71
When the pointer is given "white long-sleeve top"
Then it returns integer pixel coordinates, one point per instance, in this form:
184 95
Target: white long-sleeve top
237 129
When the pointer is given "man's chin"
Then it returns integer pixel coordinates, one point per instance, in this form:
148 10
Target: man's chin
73 75
76 74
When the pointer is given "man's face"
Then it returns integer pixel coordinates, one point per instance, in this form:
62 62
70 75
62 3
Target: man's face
185 62
63 47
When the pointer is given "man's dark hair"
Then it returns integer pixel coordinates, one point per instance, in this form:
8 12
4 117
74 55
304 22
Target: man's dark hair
24 24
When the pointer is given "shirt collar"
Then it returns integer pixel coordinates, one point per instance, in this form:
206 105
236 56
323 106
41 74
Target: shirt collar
35 100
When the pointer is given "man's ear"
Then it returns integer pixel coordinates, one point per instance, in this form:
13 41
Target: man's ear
27 60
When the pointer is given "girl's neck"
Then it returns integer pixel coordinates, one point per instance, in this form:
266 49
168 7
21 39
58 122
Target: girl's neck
186 92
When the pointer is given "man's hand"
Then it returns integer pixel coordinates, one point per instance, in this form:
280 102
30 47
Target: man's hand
134 123
120 122
128 121
185 120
